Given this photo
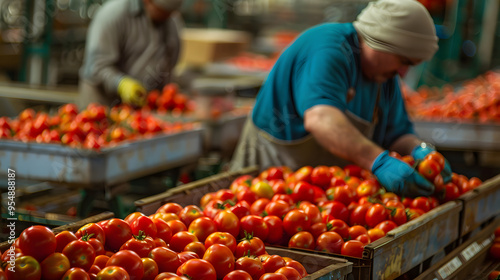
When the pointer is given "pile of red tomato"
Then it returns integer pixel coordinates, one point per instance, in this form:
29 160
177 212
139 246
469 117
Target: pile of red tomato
95 127
476 101
330 209
169 99
174 243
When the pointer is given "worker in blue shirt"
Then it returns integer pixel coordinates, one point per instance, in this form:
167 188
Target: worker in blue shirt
132 47
333 97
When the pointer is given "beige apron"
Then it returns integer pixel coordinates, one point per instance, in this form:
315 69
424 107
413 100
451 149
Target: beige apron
258 147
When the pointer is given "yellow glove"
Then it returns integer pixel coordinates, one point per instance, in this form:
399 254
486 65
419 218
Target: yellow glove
132 92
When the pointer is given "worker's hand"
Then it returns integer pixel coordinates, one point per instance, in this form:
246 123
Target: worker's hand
419 153
399 177
132 92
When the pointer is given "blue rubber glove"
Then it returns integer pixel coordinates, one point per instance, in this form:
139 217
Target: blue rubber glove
398 177
419 153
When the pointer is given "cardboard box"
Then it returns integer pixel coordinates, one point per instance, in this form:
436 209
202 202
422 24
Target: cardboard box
202 46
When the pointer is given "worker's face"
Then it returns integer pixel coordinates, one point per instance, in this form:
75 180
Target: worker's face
156 13
380 66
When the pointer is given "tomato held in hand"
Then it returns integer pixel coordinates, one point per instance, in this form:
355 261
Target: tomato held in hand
429 168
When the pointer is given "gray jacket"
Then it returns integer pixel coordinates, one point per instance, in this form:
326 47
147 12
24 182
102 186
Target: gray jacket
122 40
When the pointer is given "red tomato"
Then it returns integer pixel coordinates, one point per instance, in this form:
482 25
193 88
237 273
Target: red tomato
92 229
437 157
227 221
101 261
150 269
366 188
275 225
247 195
494 275
302 239
312 211
330 242
356 231
170 207
352 170
343 194
321 176
336 209
259 206
289 272
421 203
130 261
303 174
272 173
241 209
298 266
195 247
187 255
365 238
202 227
357 216
179 240
429 168
166 259
303 191
163 230
272 276
54 266
277 208
295 221
495 251
391 204
176 226
190 213
475 182
254 225
452 191
353 248
80 254
140 244
25 268
285 197
223 238
250 245
408 159
398 216
144 224
222 259
132 216
113 273
376 214
375 233
238 275
389 196
63 238
339 227
272 263
76 273
197 269
279 187
387 226
38 242
250 265
317 229
169 276
120 232
337 171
